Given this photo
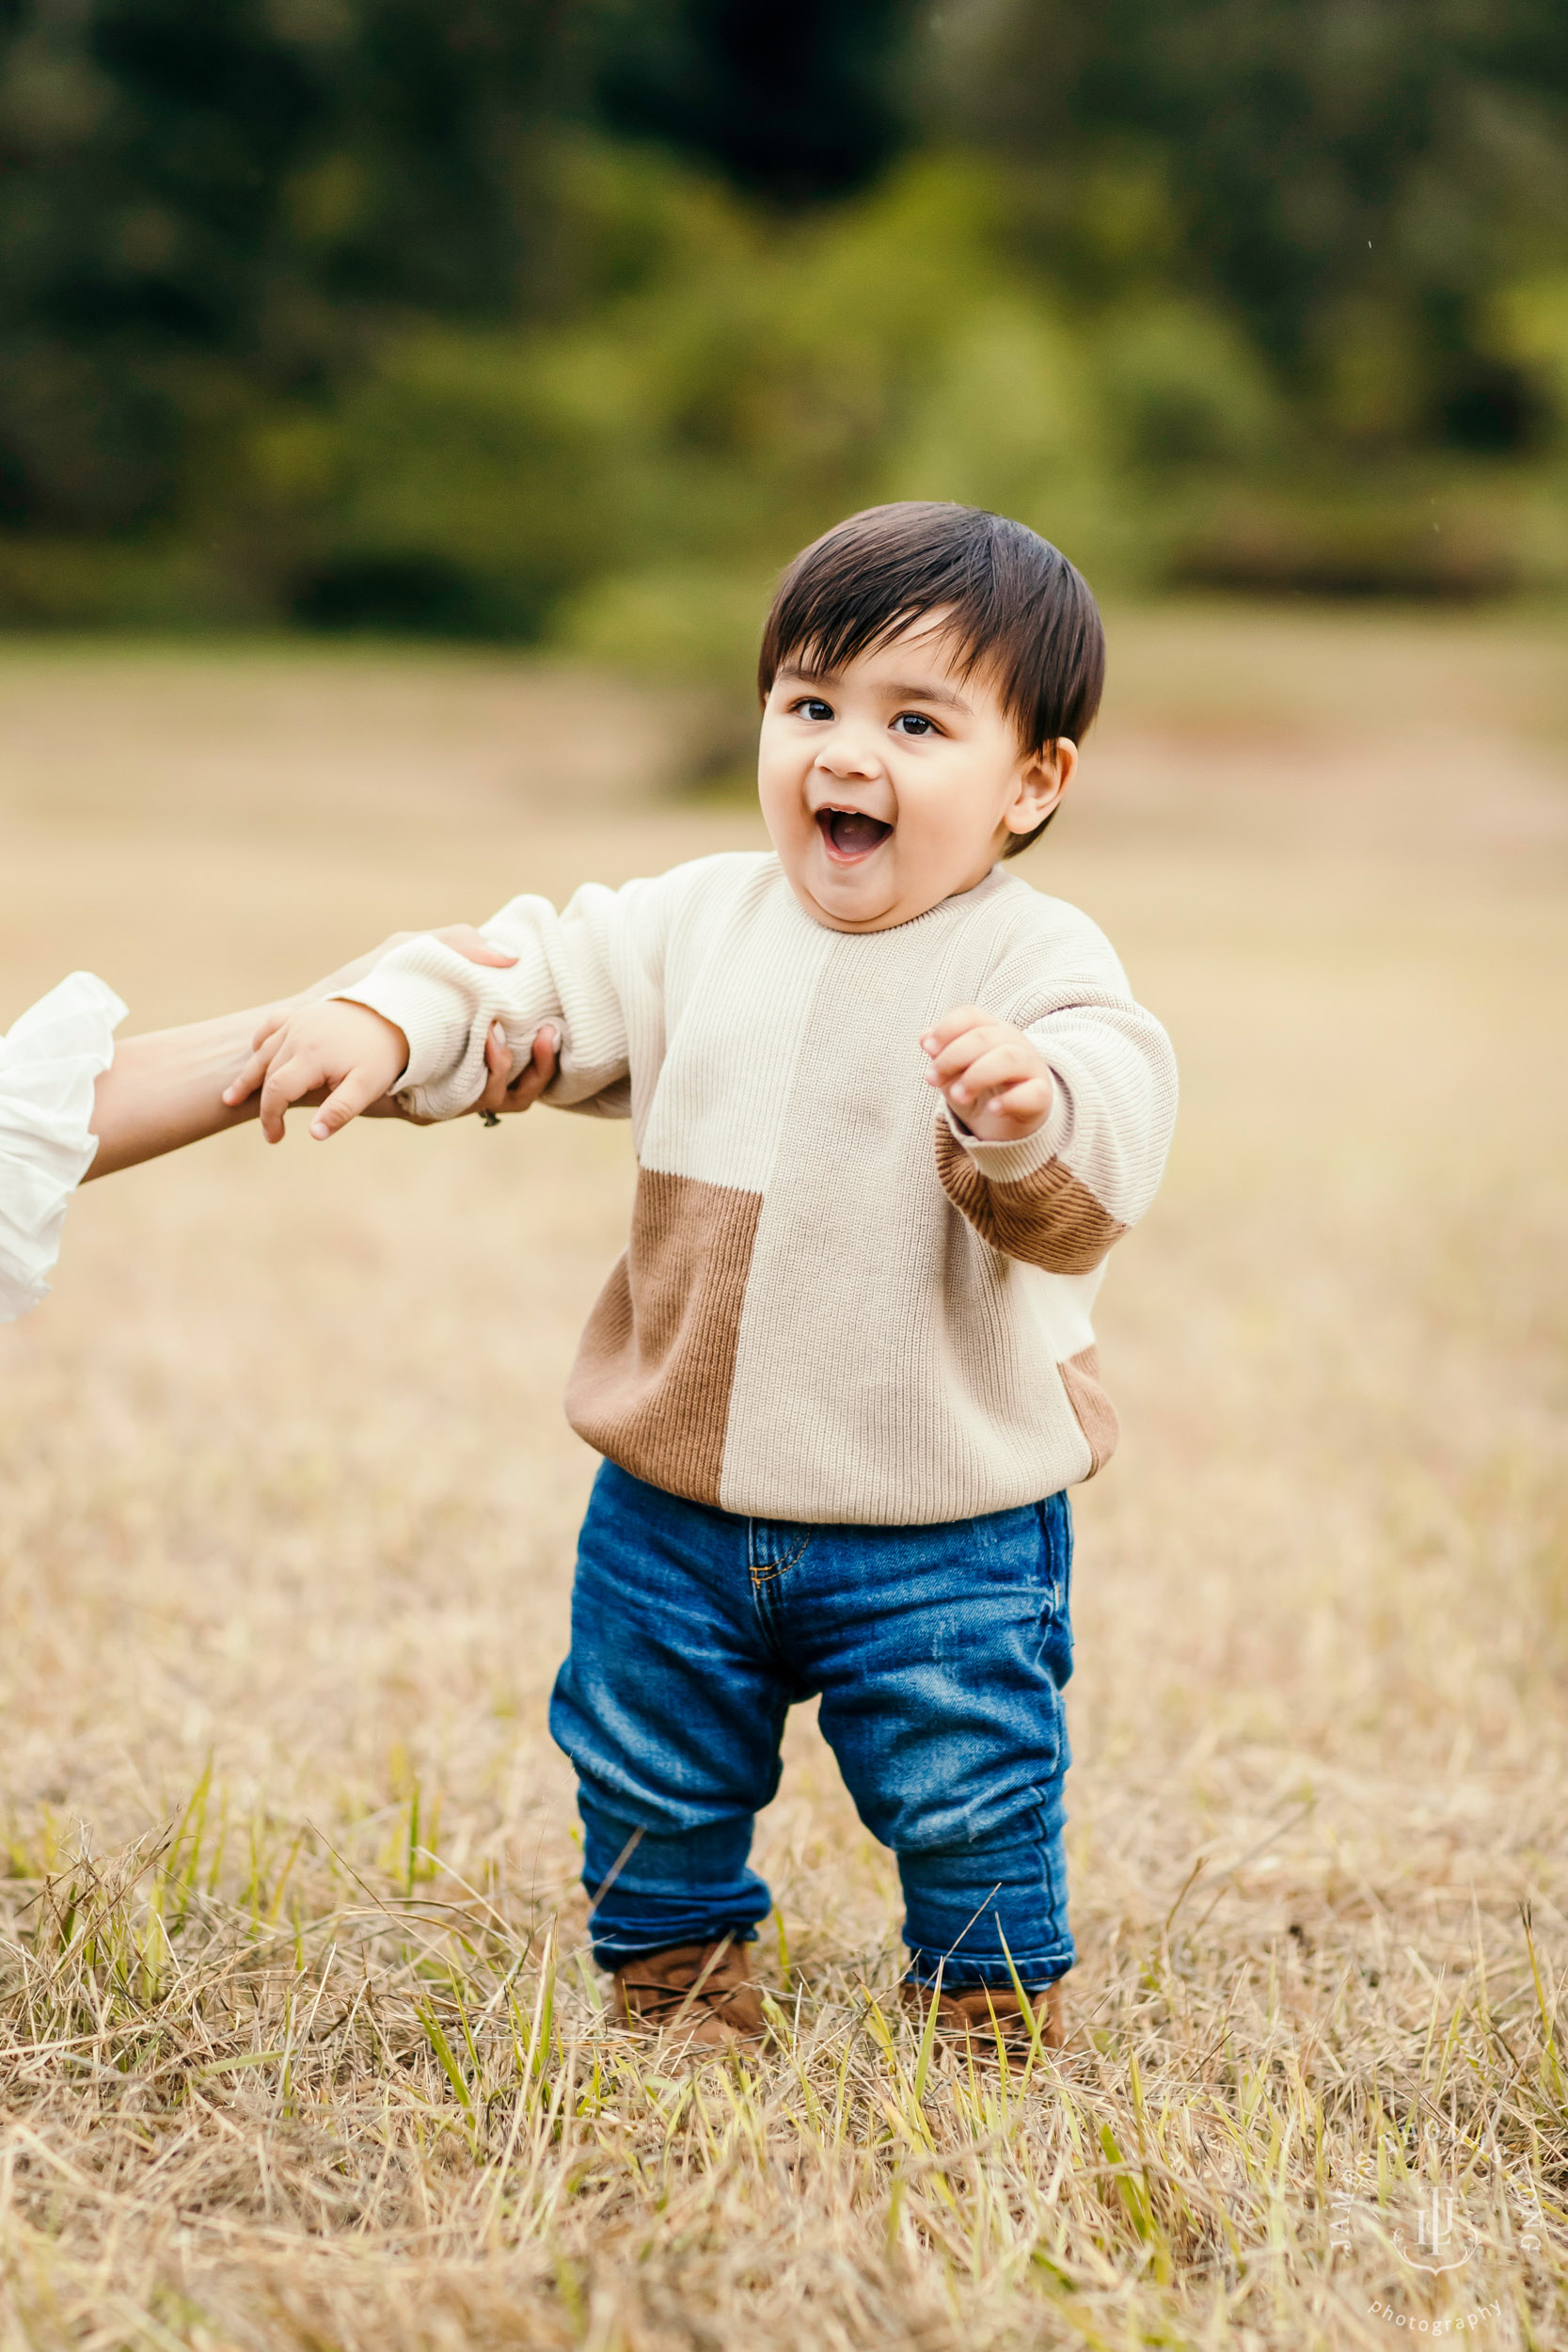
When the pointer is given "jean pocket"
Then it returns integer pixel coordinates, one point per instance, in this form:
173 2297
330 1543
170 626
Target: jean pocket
773 1546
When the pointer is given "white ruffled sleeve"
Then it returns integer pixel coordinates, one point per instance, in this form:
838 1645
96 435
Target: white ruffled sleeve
50 1062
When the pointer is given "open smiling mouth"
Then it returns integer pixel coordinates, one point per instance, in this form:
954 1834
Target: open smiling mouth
849 833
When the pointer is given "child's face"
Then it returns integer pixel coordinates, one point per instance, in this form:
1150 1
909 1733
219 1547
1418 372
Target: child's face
895 782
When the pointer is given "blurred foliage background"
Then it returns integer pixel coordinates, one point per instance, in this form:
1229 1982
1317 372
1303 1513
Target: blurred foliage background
568 320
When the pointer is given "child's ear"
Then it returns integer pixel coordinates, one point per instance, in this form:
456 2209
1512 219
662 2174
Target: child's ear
1042 782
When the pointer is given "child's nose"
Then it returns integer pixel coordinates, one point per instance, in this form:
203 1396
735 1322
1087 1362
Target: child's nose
848 754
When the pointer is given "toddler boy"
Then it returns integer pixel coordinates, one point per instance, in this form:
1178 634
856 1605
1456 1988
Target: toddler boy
844 1372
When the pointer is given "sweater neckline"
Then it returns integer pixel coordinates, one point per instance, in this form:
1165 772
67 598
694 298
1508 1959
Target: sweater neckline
961 902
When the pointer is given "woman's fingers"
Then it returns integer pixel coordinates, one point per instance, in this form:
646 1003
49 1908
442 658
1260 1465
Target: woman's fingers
506 1091
498 1070
536 1073
462 936
472 943
347 974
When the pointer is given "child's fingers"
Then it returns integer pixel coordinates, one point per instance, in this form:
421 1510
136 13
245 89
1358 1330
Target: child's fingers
276 1099
269 1026
361 1088
286 1082
964 1051
1025 1103
953 1024
239 1089
263 1052
1002 1065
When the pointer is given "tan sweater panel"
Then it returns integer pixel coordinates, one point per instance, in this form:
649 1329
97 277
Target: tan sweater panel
1048 1218
652 1382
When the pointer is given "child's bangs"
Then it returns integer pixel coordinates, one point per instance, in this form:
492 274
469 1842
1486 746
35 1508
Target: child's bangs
1003 601
844 636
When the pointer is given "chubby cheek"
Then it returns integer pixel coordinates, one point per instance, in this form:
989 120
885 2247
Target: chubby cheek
779 794
936 834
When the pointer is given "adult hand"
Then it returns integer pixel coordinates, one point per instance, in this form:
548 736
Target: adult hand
502 1092
507 1087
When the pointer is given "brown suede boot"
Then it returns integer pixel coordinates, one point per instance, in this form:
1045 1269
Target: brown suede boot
701 1994
969 2016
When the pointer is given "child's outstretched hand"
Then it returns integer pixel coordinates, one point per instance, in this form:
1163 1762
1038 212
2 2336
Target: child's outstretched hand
506 1087
353 1053
992 1078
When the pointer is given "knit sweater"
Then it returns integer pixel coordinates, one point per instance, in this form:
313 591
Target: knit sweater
836 1304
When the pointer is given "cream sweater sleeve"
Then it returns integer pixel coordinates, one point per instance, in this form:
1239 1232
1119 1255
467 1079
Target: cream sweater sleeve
1061 1197
582 969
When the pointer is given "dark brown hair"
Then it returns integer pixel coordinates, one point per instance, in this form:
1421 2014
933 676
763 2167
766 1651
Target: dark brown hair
1016 610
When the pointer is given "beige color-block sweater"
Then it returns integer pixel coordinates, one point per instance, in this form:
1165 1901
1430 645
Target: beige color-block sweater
836 1305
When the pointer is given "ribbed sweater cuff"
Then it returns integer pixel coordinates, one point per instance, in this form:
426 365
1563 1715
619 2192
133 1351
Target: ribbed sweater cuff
423 1009
1010 1162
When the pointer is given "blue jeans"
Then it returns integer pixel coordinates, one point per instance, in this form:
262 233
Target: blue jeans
939 1654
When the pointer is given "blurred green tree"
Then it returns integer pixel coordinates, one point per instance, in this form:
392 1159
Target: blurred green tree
1354 178
214 202
794 104
569 316
209 203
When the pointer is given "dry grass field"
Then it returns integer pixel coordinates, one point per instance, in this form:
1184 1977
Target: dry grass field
298 2045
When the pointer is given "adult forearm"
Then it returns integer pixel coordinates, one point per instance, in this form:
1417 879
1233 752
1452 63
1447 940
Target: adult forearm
166 1089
